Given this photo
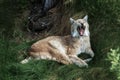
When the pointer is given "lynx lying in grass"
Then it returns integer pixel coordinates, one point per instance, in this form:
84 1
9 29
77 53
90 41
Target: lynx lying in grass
65 49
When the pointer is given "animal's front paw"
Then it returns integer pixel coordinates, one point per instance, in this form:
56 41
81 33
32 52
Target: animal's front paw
88 60
85 65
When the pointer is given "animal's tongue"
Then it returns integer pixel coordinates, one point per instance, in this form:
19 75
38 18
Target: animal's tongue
81 32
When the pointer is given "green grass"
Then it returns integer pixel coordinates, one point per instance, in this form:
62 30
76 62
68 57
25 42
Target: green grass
104 20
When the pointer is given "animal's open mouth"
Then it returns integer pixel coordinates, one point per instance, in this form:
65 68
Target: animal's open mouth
81 30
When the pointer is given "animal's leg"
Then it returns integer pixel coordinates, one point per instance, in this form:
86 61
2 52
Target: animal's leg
59 52
65 59
78 61
62 58
91 53
26 60
88 60
55 56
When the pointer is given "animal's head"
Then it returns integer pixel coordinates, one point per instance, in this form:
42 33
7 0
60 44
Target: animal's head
80 27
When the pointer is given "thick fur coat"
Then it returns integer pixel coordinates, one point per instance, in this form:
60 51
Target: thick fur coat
65 49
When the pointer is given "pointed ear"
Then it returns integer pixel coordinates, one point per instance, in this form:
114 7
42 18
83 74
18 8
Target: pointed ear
86 18
72 20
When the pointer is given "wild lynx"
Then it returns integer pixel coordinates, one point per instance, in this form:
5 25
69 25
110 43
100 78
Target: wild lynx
65 49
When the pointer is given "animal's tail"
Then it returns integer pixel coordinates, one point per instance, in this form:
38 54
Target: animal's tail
26 60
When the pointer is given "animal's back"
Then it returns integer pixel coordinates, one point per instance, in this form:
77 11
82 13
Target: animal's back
50 44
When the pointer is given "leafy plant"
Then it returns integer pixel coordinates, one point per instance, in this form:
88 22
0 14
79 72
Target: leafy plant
114 58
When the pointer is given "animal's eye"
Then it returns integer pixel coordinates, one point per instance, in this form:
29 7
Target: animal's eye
82 26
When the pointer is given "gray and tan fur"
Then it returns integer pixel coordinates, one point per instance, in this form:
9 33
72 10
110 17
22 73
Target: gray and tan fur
65 49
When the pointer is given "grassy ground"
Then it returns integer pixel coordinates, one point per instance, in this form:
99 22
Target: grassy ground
104 20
